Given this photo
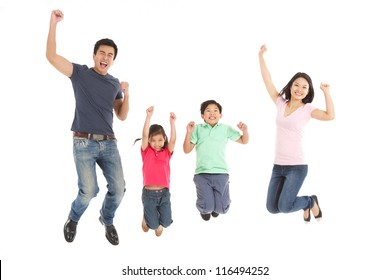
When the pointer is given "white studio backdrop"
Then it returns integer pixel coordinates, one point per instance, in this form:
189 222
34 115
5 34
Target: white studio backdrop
175 55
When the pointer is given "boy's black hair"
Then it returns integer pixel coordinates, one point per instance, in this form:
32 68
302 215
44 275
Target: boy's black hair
204 105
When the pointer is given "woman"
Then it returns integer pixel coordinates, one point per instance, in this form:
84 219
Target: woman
294 110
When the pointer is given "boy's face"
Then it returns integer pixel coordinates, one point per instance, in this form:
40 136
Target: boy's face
103 59
212 114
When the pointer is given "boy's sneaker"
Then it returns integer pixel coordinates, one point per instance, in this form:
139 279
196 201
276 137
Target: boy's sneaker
205 217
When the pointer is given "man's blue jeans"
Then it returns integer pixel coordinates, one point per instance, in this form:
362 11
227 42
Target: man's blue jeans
285 183
87 153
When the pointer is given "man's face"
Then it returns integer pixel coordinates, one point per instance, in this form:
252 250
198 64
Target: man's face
103 59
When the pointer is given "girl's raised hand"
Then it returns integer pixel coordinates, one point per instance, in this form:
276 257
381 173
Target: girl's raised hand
262 50
150 110
172 117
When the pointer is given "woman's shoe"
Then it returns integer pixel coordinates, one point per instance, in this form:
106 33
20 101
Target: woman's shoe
319 215
306 219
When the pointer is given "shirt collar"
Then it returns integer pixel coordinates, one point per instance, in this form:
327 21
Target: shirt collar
205 124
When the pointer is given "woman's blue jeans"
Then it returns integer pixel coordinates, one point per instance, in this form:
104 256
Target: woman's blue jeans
87 153
285 183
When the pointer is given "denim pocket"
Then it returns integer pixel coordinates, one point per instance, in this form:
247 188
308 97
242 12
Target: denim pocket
79 142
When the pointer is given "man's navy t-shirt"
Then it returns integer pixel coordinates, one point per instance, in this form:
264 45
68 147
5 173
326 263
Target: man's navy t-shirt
95 95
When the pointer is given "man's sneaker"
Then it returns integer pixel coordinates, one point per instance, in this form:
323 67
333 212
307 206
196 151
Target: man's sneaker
214 214
111 234
70 228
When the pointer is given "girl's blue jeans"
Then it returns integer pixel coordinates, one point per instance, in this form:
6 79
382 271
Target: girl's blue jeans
157 208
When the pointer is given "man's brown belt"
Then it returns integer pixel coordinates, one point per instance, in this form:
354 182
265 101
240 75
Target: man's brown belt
92 136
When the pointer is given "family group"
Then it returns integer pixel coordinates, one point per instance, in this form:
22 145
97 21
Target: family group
98 95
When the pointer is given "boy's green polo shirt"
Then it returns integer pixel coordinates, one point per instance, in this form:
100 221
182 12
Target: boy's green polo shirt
210 143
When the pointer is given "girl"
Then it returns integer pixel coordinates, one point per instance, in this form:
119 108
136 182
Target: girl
290 168
156 153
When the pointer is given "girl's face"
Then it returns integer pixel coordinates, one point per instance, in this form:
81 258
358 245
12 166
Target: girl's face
157 142
299 88
211 115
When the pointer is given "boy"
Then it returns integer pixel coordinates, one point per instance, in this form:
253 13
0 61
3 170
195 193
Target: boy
211 174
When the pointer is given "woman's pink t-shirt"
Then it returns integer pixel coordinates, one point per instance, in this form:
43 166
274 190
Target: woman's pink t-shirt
289 133
156 170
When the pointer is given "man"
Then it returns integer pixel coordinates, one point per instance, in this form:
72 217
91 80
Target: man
97 95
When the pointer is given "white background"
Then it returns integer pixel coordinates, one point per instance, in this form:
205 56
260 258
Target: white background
175 55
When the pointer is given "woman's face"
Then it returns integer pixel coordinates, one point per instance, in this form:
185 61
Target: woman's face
299 88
